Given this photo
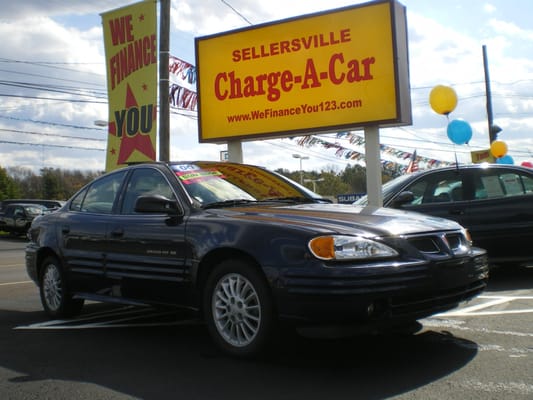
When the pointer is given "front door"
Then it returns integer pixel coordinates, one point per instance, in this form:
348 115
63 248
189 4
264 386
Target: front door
147 251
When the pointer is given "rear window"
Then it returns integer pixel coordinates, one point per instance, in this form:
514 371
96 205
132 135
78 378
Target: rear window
497 184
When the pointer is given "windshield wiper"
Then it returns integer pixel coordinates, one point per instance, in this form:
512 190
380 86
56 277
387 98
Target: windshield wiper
291 199
299 199
228 203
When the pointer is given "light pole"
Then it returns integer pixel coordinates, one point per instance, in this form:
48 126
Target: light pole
301 158
314 182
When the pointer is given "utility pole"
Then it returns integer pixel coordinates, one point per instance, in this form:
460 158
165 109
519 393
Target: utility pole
164 105
493 129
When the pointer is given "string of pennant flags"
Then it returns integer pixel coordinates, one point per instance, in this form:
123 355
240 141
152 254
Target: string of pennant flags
182 85
391 166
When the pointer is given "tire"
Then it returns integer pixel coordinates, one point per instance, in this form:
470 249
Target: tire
55 297
238 309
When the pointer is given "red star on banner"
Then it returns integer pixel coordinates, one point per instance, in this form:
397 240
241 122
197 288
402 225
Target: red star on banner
139 142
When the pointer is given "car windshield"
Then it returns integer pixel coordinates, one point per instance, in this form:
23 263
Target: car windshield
388 188
221 184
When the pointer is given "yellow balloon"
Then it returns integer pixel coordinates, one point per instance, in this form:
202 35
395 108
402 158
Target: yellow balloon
498 148
443 99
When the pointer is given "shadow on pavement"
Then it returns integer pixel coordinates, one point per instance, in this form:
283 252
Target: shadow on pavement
161 362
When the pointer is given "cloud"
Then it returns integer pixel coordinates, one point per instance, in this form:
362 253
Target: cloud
67 35
489 8
510 29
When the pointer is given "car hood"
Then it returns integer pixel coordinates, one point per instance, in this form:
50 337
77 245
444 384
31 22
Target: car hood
342 218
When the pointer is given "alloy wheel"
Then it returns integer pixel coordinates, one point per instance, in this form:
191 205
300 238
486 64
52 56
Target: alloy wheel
236 310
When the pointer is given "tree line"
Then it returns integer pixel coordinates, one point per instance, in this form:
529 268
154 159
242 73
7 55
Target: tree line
59 184
51 183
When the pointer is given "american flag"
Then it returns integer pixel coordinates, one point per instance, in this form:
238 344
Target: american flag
413 164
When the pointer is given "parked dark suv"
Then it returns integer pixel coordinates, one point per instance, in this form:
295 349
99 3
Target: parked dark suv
17 217
50 204
246 248
494 202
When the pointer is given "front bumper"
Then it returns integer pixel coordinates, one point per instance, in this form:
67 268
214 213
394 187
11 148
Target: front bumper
379 293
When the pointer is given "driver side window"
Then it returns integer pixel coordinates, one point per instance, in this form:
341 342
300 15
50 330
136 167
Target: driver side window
100 196
438 188
143 182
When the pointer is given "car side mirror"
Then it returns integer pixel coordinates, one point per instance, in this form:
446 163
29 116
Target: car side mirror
403 198
157 204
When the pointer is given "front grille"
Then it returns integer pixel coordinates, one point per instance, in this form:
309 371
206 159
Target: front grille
451 243
426 245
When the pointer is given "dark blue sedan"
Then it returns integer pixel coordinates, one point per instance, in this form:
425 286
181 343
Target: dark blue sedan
248 249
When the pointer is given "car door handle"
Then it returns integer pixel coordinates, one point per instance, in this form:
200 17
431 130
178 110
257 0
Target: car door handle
117 232
65 229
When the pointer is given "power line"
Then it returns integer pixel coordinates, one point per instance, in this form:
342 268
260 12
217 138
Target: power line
51 134
47 65
53 123
53 99
51 88
51 145
48 77
236 12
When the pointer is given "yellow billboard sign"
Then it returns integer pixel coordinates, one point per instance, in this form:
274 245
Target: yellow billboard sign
323 72
130 39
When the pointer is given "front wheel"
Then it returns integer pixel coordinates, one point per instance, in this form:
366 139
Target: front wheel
238 308
55 298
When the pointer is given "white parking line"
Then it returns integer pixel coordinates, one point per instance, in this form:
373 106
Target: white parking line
484 313
506 297
15 283
485 305
495 300
458 325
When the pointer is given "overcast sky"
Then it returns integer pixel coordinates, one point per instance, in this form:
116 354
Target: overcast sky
53 88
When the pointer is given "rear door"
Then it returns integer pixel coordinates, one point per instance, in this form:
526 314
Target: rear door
500 214
82 231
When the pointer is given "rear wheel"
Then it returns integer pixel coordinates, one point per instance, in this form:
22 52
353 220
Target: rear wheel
238 308
55 298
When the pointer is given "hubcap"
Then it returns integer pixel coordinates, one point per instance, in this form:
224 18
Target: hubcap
236 310
52 287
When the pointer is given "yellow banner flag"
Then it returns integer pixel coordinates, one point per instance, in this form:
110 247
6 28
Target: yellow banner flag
130 39
482 156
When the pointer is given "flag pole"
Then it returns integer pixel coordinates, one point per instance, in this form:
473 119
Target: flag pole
164 106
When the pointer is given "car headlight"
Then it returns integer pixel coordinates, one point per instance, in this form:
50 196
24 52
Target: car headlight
337 247
468 237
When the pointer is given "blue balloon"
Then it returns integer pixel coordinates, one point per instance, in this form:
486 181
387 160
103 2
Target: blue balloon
506 159
459 131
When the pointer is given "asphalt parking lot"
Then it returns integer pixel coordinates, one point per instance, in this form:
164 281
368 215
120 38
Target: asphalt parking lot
482 350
